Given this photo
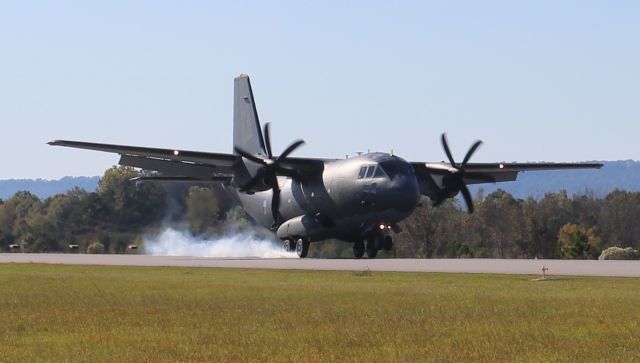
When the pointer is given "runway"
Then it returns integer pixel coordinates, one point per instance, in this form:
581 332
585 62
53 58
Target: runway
496 266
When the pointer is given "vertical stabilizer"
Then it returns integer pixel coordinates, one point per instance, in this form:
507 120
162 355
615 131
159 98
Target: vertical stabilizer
246 126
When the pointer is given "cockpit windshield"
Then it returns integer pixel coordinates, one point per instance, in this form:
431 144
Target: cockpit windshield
379 173
371 171
393 168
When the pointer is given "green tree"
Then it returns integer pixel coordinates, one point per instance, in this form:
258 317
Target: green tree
618 221
237 217
42 231
578 242
202 209
7 217
551 213
502 219
15 215
430 230
131 205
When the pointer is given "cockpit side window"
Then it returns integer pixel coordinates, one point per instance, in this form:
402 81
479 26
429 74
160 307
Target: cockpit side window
370 171
363 172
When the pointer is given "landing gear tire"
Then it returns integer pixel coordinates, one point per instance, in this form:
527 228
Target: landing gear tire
372 249
287 245
358 249
302 247
387 244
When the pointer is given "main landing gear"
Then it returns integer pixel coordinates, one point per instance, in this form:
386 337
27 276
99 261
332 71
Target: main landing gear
373 244
301 246
358 249
288 245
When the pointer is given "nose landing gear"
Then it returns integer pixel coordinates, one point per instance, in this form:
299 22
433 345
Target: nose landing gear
372 248
358 249
374 244
387 244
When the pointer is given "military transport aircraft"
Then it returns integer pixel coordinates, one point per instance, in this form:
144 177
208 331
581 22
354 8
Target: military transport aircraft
359 199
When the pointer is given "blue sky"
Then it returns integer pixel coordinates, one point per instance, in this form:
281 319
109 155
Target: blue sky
536 80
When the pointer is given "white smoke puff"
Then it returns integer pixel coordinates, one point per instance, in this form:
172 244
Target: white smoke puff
176 243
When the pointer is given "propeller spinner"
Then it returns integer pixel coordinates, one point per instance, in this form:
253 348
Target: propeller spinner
271 168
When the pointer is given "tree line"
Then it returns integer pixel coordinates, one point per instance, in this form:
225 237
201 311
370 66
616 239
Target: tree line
555 226
120 212
113 217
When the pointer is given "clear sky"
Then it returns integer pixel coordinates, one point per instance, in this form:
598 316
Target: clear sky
535 80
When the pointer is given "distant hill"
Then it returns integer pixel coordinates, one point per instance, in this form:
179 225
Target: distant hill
614 174
46 188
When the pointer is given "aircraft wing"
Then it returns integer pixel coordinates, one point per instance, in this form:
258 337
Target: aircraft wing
499 172
183 165
431 174
190 165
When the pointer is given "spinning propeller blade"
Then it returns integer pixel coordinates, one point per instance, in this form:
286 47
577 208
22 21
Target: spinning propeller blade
271 168
454 182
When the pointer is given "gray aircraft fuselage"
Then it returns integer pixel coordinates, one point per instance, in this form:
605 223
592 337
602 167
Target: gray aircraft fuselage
350 199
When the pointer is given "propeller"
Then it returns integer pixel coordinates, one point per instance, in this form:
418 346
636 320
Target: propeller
454 182
271 168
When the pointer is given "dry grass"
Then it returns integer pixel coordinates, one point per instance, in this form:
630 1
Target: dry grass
107 314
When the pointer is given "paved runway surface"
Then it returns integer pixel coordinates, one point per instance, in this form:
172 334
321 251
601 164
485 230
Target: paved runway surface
499 266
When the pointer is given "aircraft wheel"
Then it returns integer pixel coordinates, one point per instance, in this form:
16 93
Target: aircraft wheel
358 249
287 245
387 245
372 248
302 248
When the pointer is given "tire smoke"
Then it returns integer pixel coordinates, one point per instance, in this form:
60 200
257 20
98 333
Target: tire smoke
172 242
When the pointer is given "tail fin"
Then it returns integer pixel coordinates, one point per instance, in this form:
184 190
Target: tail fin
246 126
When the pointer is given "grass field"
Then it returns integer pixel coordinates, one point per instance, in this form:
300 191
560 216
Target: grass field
107 314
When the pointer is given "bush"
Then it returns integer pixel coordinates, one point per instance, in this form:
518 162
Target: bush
617 253
457 249
95 247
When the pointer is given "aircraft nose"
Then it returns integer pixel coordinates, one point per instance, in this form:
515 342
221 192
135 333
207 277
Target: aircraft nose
404 193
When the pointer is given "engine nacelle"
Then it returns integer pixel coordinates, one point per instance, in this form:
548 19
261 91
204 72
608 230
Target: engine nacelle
301 226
